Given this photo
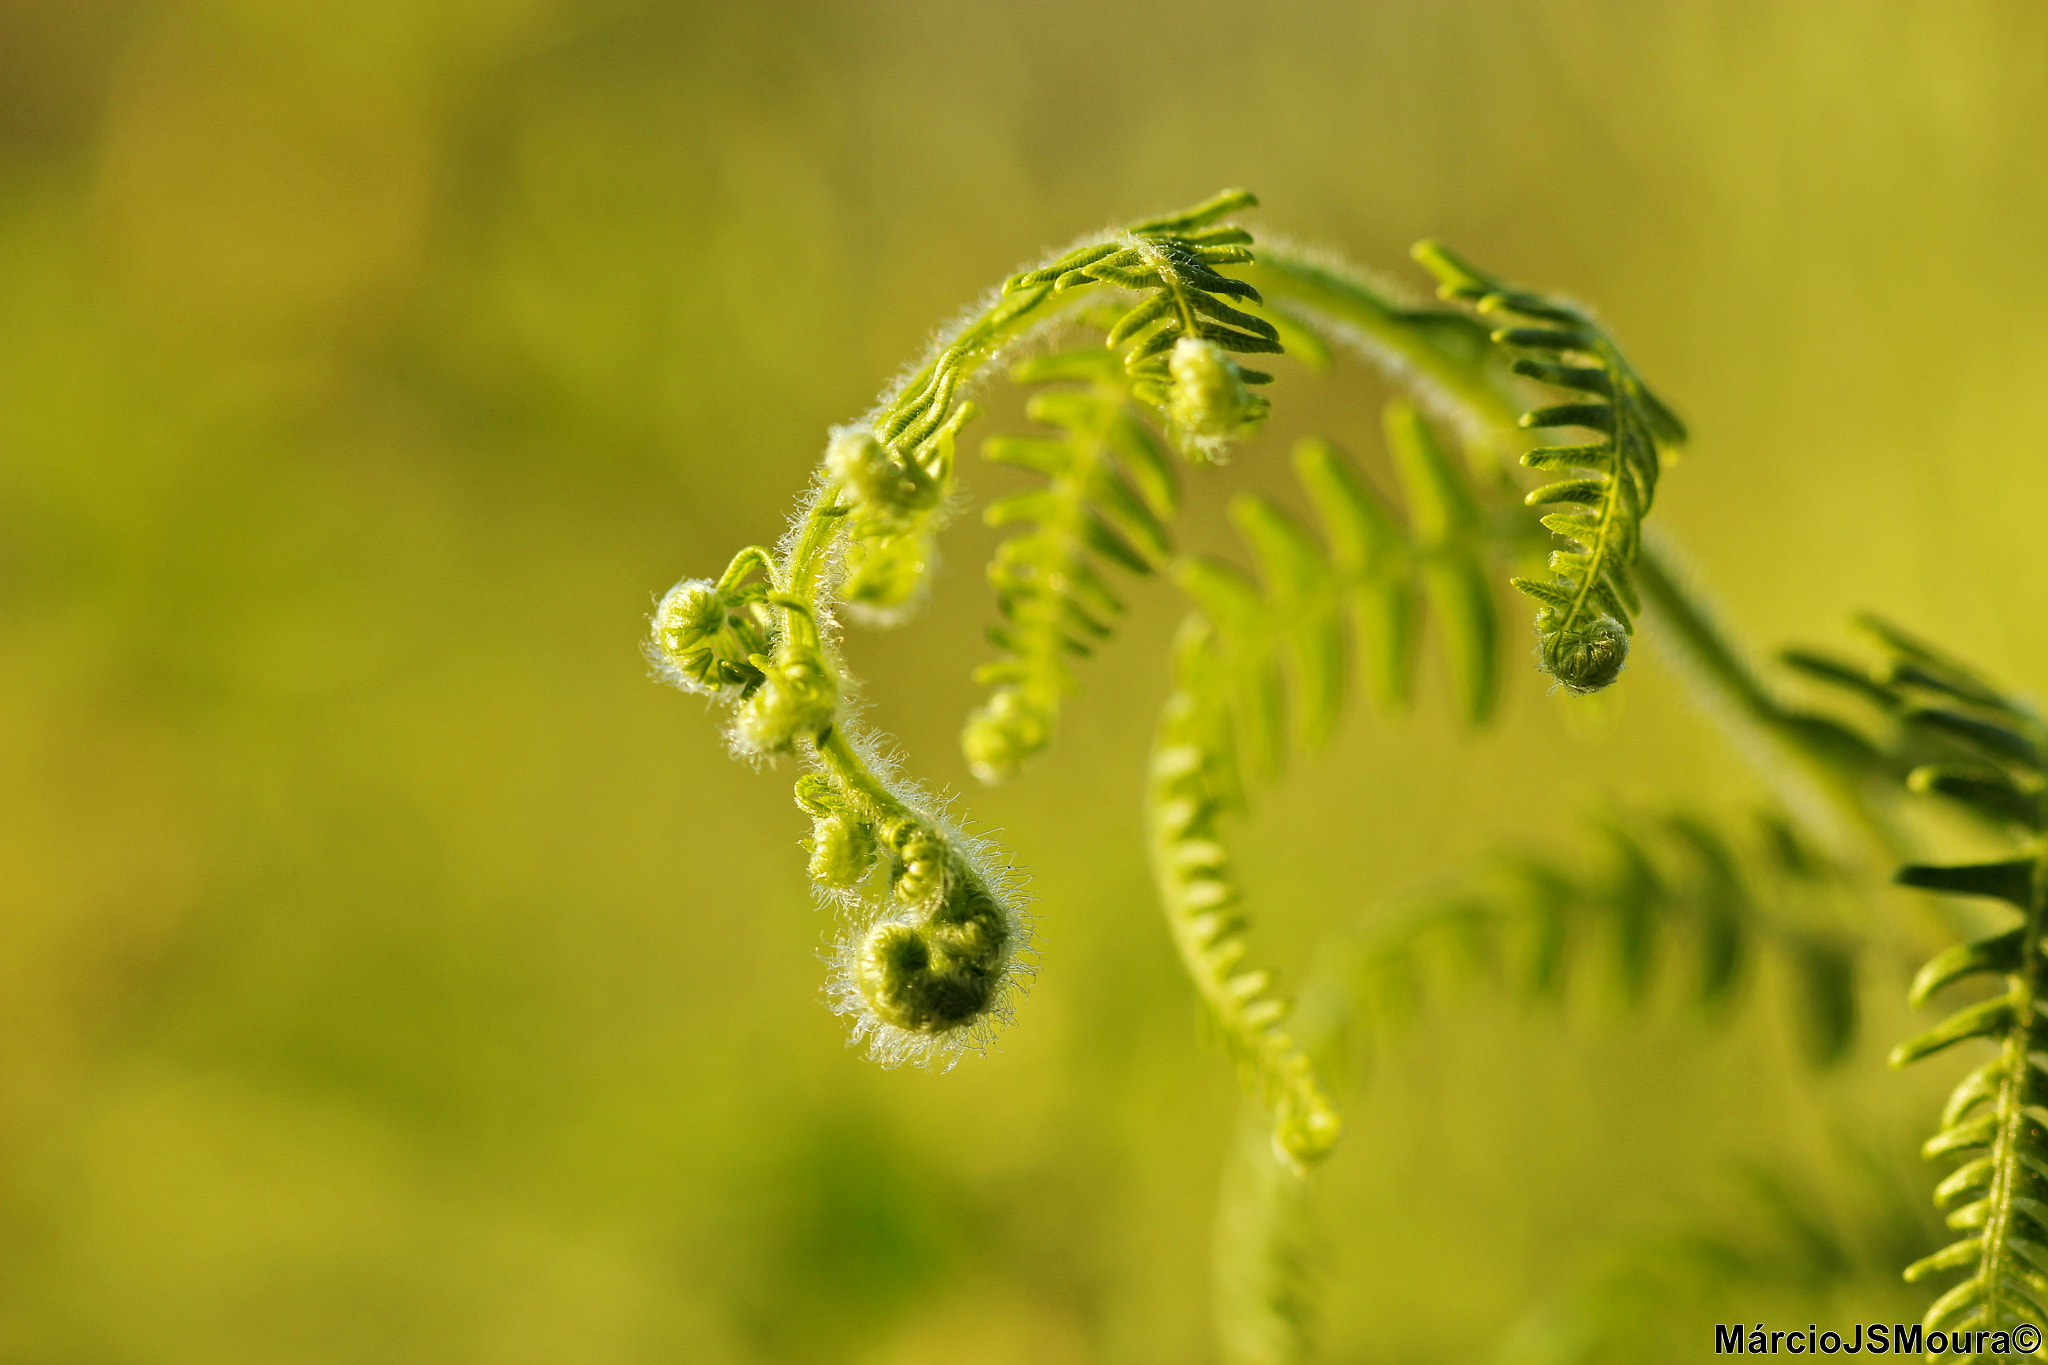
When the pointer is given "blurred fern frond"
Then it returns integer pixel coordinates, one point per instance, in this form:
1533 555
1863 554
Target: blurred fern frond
1585 614
1672 887
1233 664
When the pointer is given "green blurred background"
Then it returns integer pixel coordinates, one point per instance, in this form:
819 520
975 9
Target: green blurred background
391 972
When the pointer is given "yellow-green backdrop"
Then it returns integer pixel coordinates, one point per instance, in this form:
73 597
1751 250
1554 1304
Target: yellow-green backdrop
391 972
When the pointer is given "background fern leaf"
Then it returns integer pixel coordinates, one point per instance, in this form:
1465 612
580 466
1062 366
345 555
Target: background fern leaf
1659 888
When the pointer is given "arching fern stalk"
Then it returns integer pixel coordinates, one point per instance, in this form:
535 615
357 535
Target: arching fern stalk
1587 611
1998 1197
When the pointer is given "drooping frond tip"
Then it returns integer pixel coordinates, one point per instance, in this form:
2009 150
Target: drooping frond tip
1585 612
1261 647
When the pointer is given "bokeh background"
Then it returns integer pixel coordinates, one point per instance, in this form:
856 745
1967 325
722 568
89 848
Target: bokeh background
391 972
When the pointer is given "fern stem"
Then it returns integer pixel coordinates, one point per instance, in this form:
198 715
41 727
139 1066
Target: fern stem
1448 351
1825 773
839 757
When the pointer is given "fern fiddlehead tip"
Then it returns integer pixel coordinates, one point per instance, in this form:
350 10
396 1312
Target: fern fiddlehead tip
1209 401
929 967
1586 660
795 702
1585 612
704 637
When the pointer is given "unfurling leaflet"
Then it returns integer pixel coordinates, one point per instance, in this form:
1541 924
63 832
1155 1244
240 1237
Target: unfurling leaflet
1177 342
1108 496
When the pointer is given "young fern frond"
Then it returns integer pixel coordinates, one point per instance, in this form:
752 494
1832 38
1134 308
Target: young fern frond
1998 1196
936 938
1109 494
1586 613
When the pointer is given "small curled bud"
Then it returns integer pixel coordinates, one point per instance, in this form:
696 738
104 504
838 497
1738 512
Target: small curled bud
935 970
1209 400
1003 734
708 637
796 701
842 849
885 488
943 969
920 866
884 573
1306 1127
1585 660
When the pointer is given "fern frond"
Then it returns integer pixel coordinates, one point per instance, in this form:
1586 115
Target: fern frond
1585 613
1366 576
1186 800
1998 1197
938 942
1108 496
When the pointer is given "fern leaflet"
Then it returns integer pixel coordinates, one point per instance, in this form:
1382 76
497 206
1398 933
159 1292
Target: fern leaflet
1175 341
1109 492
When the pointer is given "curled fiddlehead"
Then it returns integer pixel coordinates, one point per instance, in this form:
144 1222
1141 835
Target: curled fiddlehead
1585 613
1998 1197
